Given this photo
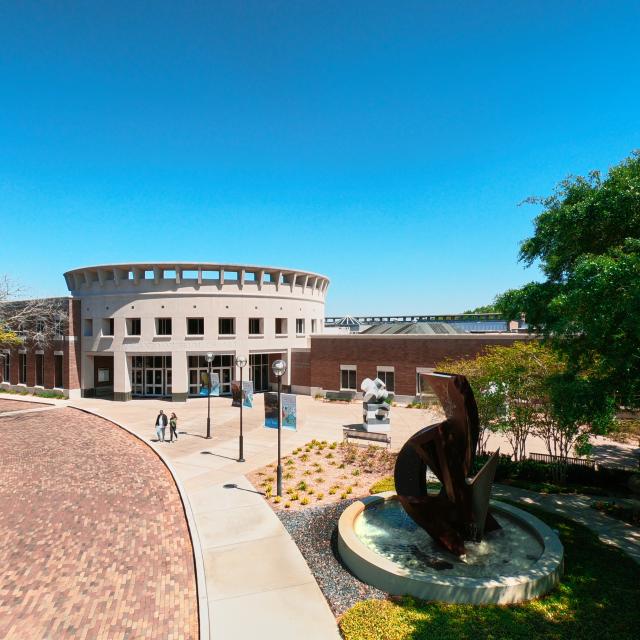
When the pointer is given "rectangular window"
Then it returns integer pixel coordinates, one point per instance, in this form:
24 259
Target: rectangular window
6 367
22 368
58 381
256 326
348 377
299 326
134 326
88 328
314 325
163 326
226 326
39 370
40 326
195 326
387 375
107 327
104 375
281 326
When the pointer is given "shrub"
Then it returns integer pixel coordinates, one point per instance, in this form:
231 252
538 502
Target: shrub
294 496
349 490
304 457
319 479
304 501
333 445
277 499
319 495
287 505
332 491
344 495
302 486
355 472
384 484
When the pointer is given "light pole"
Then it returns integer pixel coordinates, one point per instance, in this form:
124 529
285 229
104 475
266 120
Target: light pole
209 359
241 361
278 368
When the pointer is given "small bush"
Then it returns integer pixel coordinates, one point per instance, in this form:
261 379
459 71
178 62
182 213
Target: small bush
332 491
304 501
277 499
344 495
349 490
304 457
355 472
319 495
319 480
302 486
287 505
294 496
333 445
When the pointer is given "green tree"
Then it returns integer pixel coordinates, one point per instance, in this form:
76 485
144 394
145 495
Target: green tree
486 308
526 389
587 243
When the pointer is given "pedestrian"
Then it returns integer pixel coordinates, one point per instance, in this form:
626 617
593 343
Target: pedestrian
173 427
161 425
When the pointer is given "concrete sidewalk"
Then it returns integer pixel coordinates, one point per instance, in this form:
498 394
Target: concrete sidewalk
578 508
256 579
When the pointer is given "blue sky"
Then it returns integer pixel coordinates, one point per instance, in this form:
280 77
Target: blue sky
384 144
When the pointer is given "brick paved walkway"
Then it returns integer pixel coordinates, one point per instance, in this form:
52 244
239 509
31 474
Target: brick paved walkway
93 539
19 405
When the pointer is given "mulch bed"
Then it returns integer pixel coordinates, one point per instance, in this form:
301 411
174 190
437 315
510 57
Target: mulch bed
314 530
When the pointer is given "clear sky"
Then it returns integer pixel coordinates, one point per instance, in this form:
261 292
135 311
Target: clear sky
384 144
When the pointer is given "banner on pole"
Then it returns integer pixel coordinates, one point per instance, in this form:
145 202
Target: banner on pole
204 384
247 393
289 411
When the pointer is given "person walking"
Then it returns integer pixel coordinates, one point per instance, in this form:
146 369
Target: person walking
161 425
173 427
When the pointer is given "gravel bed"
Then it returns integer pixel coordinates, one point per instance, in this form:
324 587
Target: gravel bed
315 532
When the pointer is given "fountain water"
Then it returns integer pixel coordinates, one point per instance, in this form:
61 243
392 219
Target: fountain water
454 545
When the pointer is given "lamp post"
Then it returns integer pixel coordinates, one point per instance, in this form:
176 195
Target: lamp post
241 361
278 368
209 359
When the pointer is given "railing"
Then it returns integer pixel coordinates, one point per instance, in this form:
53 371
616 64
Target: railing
545 457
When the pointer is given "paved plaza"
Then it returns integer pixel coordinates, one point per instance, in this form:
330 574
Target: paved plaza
129 568
94 538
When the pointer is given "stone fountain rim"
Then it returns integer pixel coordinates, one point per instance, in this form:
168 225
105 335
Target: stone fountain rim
381 572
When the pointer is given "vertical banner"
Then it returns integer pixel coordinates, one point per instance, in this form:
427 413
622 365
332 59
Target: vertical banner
204 384
247 394
289 411
270 409
236 393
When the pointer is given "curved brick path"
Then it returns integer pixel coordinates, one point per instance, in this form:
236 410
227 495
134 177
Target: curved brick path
93 538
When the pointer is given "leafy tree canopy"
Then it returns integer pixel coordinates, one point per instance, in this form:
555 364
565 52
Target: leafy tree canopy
587 242
486 308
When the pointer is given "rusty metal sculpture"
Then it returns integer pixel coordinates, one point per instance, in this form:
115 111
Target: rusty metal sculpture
459 511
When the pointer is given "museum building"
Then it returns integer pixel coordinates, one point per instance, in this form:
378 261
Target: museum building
143 330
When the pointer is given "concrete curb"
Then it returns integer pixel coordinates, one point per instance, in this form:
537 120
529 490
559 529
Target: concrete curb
198 559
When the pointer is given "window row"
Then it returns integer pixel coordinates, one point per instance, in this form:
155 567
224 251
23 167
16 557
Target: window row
349 377
195 326
39 362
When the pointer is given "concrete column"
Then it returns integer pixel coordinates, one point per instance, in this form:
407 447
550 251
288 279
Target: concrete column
121 376
179 379
88 390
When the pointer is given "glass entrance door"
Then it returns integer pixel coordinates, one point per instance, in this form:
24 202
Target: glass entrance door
151 376
259 371
222 365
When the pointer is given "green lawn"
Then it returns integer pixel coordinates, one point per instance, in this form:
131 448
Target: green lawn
599 597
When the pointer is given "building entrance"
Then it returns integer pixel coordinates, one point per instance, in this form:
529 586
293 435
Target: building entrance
259 371
151 376
222 365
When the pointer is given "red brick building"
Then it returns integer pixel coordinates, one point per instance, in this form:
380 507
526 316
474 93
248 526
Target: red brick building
337 362
55 366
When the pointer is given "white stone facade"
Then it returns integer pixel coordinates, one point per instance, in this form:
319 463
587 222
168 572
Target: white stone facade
227 310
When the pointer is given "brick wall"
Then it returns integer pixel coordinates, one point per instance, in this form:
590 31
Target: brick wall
404 353
70 348
301 367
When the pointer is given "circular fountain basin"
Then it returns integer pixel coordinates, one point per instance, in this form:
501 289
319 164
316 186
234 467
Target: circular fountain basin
384 547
